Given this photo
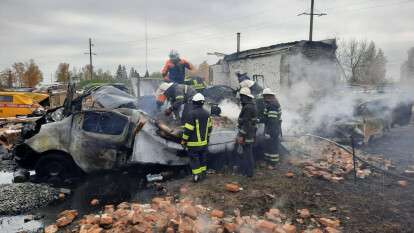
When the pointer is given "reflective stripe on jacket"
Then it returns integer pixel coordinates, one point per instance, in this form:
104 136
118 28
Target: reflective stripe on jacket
272 118
196 82
197 128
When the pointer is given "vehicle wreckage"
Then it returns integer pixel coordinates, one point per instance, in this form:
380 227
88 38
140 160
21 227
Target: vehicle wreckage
106 128
103 129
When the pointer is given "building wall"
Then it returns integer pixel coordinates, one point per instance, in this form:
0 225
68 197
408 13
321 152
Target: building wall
268 66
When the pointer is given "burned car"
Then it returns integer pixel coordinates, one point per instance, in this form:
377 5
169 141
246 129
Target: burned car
83 142
103 137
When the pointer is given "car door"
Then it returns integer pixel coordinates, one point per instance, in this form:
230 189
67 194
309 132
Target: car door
98 139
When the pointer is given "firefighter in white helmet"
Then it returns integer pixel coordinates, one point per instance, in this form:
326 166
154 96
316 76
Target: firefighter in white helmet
179 95
196 135
272 119
245 81
247 131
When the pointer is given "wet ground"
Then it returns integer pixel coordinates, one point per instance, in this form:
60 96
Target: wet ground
375 204
107 187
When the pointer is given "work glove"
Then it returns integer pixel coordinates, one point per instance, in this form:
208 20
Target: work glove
168 111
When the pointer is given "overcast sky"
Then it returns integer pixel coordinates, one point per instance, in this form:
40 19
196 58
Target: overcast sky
52 31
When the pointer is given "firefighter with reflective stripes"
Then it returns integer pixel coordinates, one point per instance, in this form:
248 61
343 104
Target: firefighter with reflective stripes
247 131
179 95
195 139
196 82
272 120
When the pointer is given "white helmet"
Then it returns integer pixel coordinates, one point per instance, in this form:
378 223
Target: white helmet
246 91
164 86
246 83
198 97
268 91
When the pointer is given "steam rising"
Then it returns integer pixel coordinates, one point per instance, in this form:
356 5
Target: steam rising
230 109
319 98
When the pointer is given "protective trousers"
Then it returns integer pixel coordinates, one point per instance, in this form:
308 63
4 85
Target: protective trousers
198 161
247 160
271 149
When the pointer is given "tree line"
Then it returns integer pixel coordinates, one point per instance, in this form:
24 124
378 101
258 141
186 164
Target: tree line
362 62
21 74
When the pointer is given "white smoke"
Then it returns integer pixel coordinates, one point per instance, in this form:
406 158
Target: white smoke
319 97
230 109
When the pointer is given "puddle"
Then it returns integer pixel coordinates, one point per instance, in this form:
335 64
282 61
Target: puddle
9 224
6 178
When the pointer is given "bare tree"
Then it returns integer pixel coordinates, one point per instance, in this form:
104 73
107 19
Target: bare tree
19 69
7 78
363 63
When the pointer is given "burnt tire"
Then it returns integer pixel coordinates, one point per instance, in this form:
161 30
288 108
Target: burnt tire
57 168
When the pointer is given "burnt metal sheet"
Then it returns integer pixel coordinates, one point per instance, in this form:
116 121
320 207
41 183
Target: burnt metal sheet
110 97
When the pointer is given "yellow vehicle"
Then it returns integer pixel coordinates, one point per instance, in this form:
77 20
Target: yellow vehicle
14 104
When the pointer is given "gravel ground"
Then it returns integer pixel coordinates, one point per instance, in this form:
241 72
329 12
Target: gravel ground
19 198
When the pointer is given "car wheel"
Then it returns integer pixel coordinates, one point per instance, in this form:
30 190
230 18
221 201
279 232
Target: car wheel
56 168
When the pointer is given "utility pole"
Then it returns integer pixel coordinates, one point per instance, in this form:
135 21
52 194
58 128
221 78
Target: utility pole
311 14
146 48
238 42
311 20
90 57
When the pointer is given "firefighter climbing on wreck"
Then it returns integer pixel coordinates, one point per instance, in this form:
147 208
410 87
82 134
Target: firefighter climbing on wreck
247 132
179 95
272 120
174 68
195 138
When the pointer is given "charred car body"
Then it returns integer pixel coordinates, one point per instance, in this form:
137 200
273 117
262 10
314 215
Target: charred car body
96 132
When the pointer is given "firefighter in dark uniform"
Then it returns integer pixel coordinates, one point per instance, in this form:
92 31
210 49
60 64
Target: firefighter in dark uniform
272 120
195 139
196 82
179 95
247 131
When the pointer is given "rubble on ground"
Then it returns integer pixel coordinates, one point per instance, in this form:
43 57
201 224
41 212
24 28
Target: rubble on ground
329 162
18 198
169 215
9 134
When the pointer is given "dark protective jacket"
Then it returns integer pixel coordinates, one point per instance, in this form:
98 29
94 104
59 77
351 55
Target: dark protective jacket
174 70
247 120
197 128
179 94
196 82
272 118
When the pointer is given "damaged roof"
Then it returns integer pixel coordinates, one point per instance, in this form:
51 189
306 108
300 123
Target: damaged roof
307 47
